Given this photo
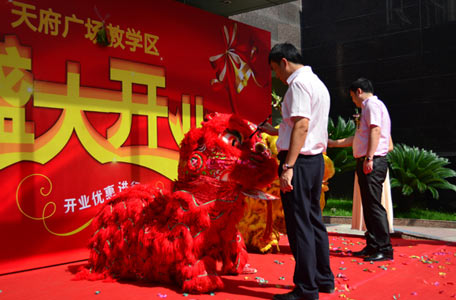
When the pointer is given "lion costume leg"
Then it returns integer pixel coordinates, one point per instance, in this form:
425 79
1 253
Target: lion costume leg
234 255
199 277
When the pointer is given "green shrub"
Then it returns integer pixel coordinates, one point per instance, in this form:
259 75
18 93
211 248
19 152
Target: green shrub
415 170
342 157
276 105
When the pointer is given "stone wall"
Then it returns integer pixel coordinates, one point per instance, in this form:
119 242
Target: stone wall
282 21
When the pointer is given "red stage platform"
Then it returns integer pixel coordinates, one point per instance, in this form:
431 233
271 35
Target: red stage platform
421 269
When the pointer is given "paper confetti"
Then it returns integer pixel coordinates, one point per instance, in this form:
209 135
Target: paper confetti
261 280
340 275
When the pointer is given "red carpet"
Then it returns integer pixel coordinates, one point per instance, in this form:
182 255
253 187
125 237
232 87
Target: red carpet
421 270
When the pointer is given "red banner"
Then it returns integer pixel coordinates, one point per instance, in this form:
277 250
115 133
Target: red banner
95 97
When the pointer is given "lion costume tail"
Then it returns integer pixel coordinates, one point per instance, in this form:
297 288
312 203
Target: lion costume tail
118 246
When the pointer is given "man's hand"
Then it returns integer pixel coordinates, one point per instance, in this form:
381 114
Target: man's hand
268 128
332 143
285 180
341 143
368 166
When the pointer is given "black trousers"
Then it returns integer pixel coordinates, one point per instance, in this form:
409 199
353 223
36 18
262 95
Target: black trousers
375 217
305 229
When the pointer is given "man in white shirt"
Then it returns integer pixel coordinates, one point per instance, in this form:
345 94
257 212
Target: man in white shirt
303 137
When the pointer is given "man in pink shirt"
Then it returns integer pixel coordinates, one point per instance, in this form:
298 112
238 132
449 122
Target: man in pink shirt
370 146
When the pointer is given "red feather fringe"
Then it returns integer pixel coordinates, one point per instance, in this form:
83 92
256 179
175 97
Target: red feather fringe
149 234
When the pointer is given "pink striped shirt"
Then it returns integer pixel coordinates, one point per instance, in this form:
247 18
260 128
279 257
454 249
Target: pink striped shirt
373 112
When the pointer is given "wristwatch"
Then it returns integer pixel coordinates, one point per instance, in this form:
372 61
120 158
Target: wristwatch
369 158
287 166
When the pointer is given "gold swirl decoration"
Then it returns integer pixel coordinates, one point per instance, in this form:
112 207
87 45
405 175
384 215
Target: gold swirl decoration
44 217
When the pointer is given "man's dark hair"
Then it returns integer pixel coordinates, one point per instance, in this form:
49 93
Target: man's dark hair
362 83
287 51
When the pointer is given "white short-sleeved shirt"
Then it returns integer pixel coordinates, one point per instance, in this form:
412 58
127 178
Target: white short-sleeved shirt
373 112
307 97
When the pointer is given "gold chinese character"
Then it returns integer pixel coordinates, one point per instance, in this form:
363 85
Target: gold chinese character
149 44
134 39
24 15
116 36
68 20
93 26
152 77
49 20
15 91
180 124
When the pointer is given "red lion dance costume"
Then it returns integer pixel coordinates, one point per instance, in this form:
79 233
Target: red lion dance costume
149 234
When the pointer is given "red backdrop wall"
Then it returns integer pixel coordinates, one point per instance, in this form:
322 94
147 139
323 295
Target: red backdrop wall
80 121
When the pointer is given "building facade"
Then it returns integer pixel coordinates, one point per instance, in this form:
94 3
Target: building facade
406 47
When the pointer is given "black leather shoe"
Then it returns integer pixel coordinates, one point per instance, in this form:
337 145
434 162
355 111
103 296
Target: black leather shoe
293 295
364 252
326 289
379 256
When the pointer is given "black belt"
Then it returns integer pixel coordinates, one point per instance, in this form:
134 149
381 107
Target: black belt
283 154
364 158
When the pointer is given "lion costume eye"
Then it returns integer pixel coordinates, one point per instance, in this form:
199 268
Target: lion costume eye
232 138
